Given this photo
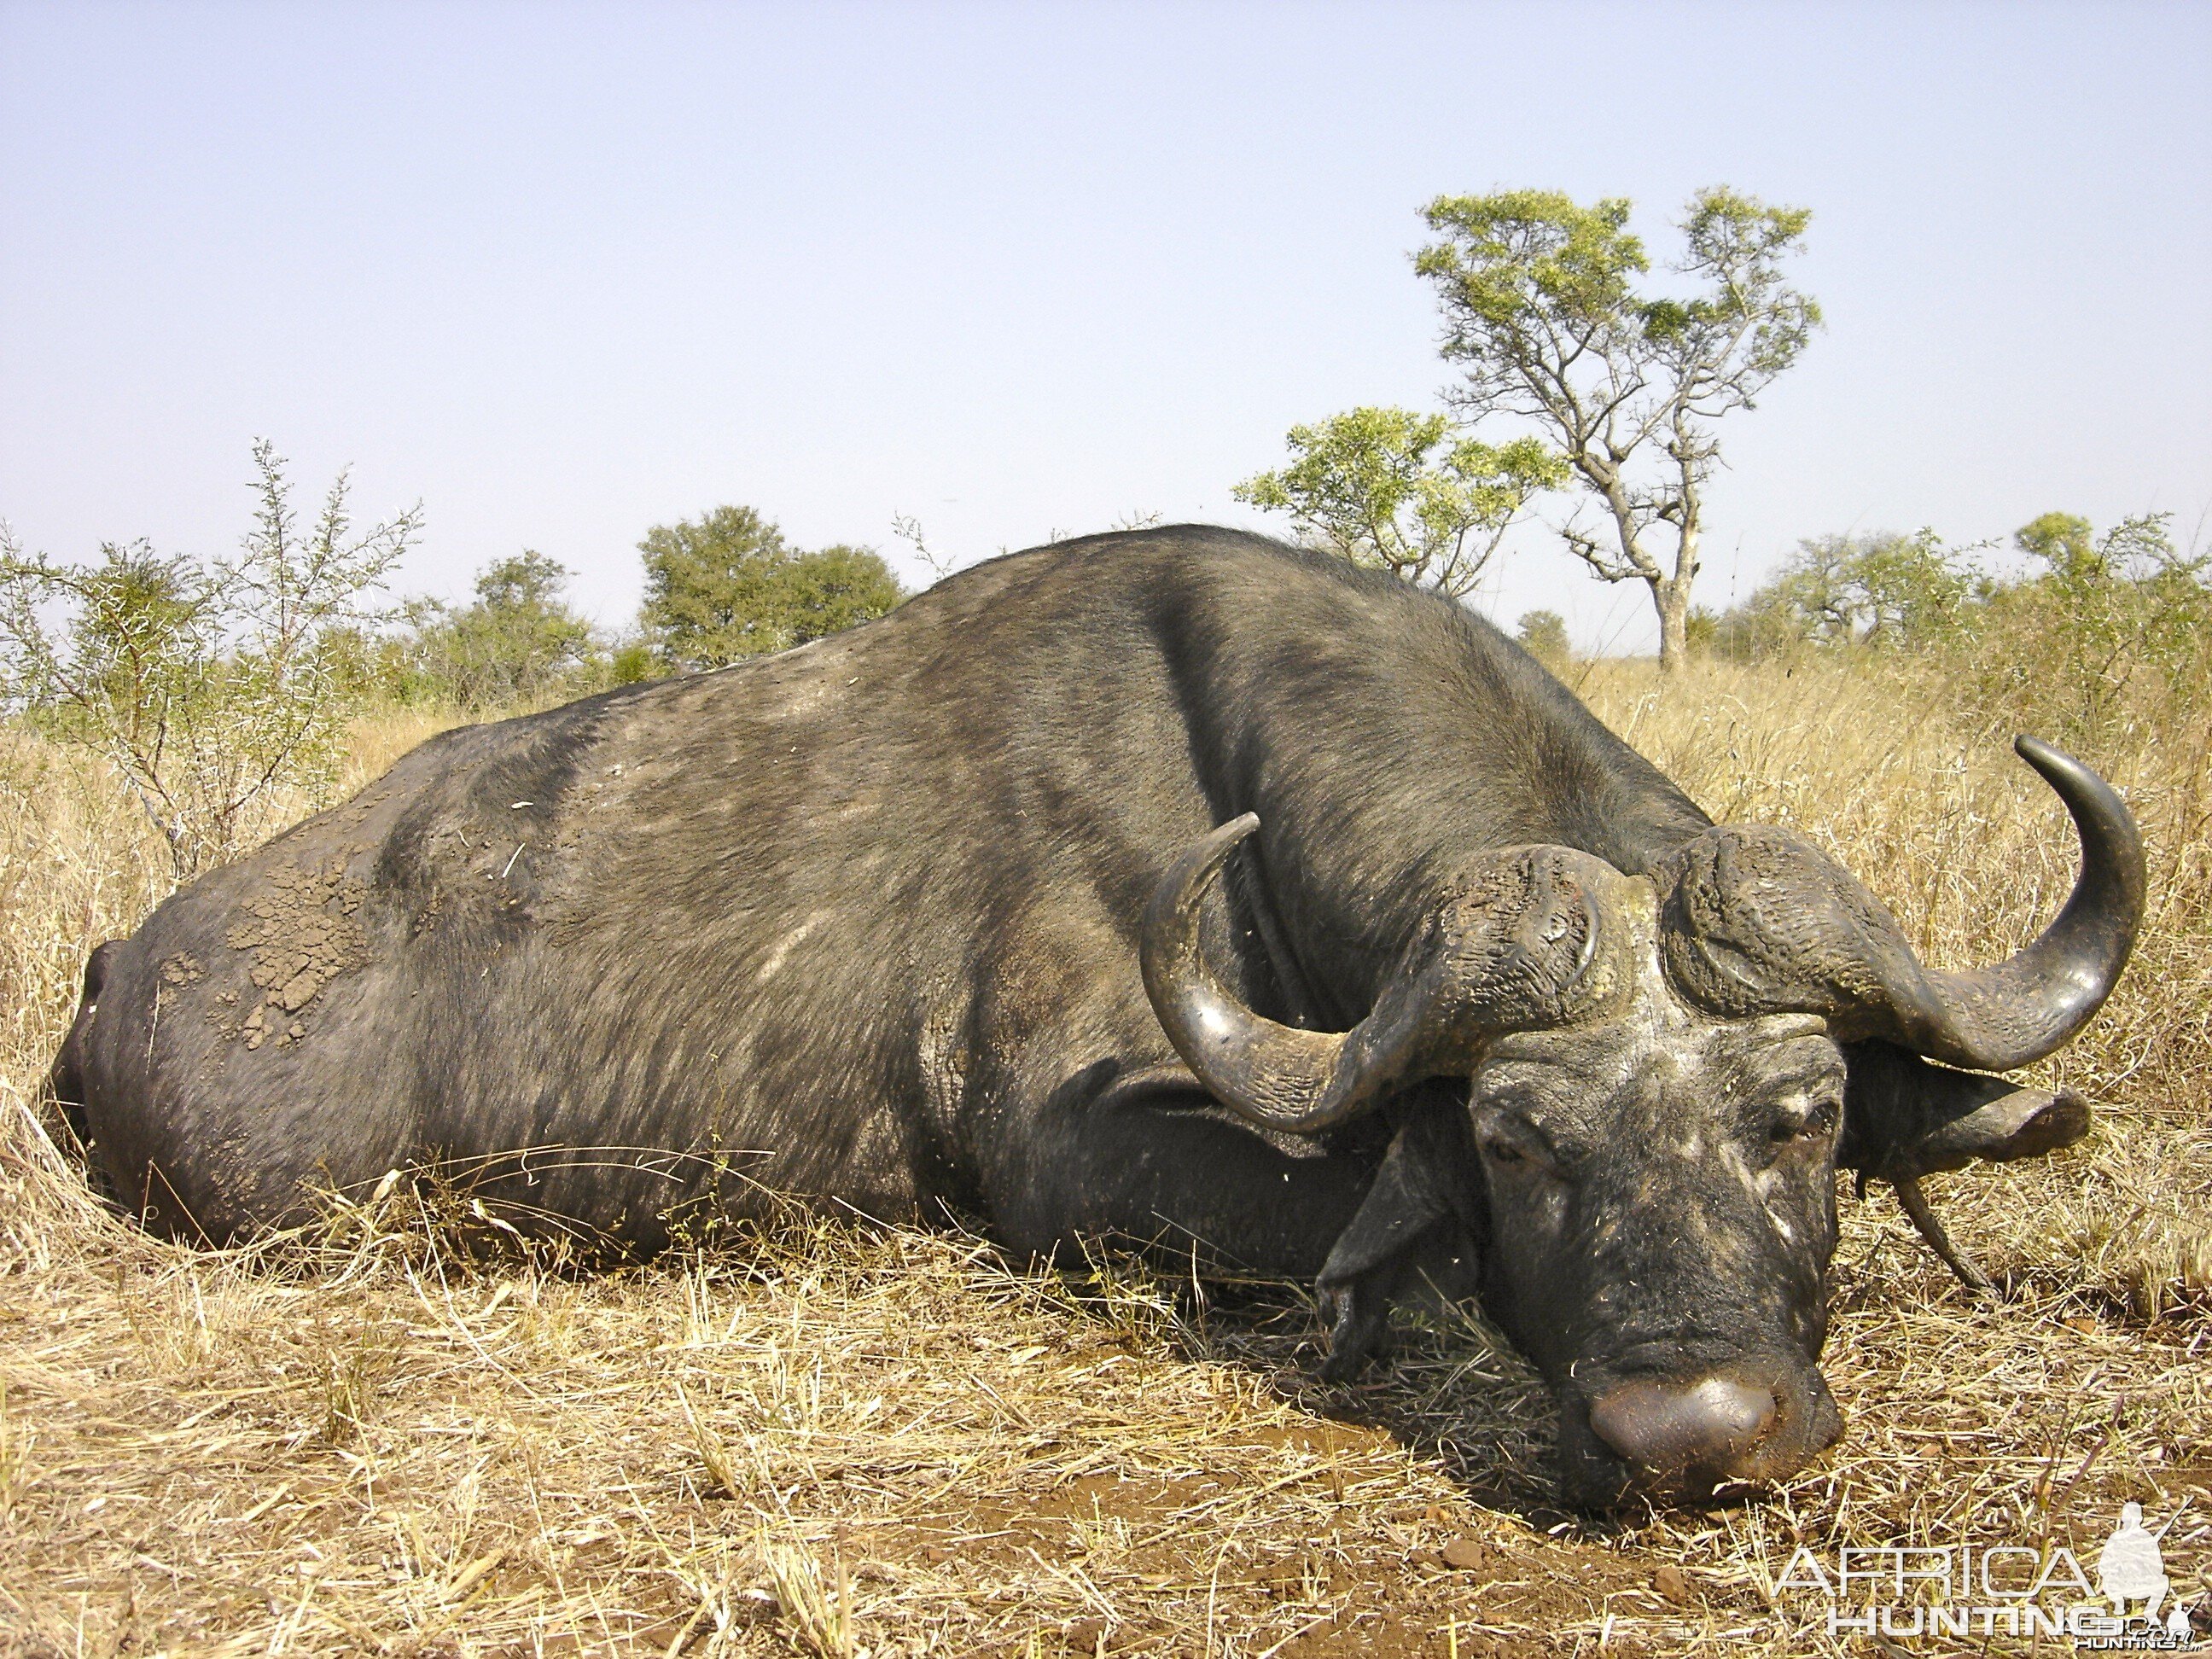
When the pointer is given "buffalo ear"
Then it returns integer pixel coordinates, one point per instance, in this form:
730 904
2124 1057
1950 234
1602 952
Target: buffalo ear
1414 1224
1906 1117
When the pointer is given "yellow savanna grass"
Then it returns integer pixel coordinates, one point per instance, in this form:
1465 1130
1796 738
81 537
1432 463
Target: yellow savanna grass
836 1438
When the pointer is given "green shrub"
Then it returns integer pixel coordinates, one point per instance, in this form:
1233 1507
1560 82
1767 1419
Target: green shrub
1543 635
728 587
216 689
2102 637
517 644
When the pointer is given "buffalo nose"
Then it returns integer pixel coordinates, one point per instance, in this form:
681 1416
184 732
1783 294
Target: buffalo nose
1664 1425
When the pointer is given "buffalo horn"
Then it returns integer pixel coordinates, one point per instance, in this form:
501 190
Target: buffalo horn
1993 1019
1508 950
1277 1076
1930 1228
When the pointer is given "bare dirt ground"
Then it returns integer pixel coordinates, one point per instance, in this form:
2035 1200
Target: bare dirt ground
837 1439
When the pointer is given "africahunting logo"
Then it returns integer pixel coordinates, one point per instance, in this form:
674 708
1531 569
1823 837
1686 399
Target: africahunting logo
2132 1605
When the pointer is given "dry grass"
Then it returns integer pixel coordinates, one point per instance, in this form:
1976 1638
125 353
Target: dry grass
835 1439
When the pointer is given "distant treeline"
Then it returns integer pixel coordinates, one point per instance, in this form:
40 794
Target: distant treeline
2085 637
717 590
219 690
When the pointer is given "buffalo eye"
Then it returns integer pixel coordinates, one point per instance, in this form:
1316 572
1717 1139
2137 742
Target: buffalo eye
1515 1147
1817 1122
1517 1151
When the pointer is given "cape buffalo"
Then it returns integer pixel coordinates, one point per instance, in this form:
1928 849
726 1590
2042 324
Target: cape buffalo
1176 885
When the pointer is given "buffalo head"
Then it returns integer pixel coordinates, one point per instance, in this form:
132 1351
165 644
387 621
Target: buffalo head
1649 1083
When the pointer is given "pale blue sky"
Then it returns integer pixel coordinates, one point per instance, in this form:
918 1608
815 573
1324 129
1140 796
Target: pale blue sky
566 272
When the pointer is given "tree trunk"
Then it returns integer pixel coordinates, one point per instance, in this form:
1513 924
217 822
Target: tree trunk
1672 601
1674 596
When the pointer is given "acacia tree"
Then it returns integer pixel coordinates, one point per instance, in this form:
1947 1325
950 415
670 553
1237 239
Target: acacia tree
1541 309
213 688
1385 489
